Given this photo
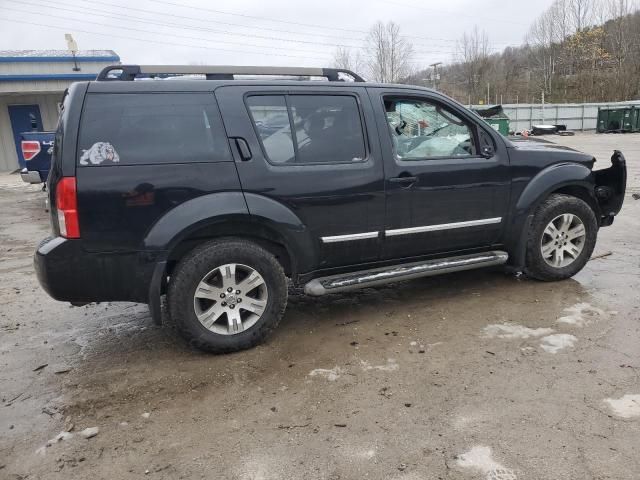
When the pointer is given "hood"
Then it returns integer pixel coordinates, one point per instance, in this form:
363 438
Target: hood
547 152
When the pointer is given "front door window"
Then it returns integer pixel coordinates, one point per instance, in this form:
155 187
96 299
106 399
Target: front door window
422 130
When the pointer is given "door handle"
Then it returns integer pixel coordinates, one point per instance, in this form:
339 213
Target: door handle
404 180
243 148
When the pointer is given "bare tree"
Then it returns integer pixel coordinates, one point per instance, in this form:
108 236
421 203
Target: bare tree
474 55
581 13
349 59
545 34
389 53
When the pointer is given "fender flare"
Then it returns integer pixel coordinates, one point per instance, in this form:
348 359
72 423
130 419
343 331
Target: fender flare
553 178
297 238
191 215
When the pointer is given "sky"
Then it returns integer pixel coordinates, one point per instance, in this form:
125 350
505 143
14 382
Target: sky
254 32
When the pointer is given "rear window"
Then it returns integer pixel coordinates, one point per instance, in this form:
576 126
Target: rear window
308 129
151 128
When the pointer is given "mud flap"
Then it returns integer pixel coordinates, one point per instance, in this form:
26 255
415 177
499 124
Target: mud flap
155 290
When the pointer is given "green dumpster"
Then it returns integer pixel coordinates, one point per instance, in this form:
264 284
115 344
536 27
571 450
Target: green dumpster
618 119
635 120
495 117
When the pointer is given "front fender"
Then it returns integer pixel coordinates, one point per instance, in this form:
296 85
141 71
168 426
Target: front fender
539 187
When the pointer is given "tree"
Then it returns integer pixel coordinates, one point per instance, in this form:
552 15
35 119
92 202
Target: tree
581 13
348 59
388 53
474 54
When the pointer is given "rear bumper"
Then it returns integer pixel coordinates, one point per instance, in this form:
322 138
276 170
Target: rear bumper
70 274
30 176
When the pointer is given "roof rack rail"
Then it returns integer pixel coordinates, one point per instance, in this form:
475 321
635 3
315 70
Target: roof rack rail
218 72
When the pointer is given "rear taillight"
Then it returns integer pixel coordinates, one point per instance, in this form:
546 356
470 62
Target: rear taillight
30 149
67 207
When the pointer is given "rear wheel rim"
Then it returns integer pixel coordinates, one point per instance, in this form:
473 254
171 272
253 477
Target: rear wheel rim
230 299
563 240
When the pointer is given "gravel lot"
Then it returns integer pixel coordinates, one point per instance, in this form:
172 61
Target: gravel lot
475 375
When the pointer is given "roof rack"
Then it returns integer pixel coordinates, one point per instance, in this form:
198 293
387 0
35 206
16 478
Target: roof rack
218 72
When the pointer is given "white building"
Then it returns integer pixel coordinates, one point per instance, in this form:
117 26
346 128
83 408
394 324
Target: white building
31 86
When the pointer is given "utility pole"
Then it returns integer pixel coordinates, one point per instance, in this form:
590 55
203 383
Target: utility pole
488 94
436 76
542 106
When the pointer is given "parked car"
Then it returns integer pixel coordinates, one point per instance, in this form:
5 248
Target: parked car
199 190
37 148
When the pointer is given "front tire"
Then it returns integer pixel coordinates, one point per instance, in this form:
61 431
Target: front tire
562 238
227 295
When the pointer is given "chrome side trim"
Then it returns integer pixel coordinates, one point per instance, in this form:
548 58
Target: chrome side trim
442 226
407 271
350 237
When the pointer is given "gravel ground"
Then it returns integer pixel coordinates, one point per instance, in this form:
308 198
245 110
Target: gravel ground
475 375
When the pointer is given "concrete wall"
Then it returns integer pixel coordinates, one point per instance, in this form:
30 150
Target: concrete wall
48 110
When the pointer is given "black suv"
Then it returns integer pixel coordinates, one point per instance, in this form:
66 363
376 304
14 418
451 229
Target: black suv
219 191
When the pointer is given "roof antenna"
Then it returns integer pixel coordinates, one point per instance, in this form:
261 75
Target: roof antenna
73 47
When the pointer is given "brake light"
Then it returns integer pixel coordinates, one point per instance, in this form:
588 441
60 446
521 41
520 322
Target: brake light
30 149
67 207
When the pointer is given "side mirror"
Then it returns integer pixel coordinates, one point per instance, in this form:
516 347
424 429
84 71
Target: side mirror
487 151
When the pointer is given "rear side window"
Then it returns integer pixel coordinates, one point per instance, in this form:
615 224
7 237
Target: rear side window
151 128
308 129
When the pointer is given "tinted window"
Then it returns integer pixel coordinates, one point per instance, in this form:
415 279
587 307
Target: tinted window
326 128
131 129
271 119
422 130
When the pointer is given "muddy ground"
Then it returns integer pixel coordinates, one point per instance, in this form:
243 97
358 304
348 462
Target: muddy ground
472 375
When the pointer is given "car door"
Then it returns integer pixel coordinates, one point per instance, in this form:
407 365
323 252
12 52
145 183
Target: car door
313 151
447 178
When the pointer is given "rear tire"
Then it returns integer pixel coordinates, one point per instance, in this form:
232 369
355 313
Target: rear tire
562 238
227 295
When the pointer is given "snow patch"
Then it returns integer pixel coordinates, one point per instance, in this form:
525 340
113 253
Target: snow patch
389 367
627 406
512 330
330 374
581 314
556 342
479 458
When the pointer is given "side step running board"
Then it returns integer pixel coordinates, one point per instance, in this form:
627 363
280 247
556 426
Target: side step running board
398 273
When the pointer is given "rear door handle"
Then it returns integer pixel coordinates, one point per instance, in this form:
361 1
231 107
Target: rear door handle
404 180
243 148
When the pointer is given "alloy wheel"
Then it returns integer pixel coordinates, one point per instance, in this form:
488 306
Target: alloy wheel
230 299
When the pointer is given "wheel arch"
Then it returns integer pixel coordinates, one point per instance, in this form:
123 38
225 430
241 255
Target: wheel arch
237 227
564 178
569 178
